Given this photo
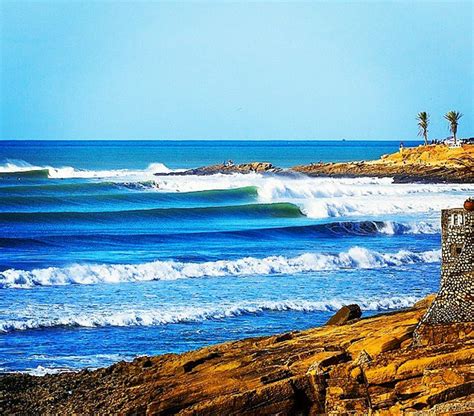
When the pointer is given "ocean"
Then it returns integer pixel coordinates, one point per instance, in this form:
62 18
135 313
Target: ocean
103 257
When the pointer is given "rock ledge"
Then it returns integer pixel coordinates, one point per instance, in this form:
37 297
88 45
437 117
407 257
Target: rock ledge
367 366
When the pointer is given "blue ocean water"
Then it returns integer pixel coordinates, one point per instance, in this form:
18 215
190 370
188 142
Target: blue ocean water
104 257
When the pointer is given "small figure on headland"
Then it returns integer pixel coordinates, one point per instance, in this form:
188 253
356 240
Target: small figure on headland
228 163
401 147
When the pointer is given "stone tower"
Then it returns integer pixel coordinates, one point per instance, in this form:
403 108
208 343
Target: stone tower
454 302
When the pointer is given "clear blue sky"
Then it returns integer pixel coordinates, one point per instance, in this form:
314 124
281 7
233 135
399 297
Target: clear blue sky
233 70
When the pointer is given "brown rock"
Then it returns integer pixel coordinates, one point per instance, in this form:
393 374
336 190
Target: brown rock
244 168
381 374
417 366
351 369
345 314
420 164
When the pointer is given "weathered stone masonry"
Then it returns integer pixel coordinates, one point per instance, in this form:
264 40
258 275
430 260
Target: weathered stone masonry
455 299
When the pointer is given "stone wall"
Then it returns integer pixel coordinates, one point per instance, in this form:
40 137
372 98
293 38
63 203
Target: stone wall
455 300
457 231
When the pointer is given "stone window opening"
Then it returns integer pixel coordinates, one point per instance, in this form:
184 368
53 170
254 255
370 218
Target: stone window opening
456 249
457 220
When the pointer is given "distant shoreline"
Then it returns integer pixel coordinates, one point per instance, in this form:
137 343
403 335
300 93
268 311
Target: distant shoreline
425 164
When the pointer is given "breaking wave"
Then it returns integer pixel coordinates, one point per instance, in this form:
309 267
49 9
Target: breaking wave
329 197
354 258
182 314
111 196
276 210
340 207
22 169
335 229
276 187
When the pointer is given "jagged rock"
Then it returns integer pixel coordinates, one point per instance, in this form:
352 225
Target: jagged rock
244 168
327 370
387 340
345 314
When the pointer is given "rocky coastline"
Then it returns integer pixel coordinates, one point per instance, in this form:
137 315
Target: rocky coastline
427 164
359 367
400 174
389 364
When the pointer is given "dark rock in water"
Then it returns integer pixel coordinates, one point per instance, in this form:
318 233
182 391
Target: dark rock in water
345 314
229 168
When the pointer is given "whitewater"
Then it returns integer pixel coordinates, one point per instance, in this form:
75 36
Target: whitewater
108 252
355 258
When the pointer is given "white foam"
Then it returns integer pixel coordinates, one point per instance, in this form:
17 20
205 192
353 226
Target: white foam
378 206
180 314
270 187
68 172
275 188
44 371
422 227
317 197
331 197
354 258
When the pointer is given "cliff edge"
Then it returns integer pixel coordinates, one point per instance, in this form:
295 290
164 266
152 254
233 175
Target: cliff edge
368 366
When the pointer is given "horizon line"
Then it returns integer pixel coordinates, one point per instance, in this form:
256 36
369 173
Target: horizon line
216 140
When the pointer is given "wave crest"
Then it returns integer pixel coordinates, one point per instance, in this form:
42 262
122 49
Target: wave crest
182 314
21 168
355 258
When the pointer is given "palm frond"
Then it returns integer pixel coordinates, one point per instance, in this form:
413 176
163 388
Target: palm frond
453 118
423 121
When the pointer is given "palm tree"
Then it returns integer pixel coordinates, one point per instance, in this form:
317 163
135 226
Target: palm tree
423 120
453 119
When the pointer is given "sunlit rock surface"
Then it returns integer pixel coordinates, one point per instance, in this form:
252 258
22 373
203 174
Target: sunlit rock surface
434 163
368 366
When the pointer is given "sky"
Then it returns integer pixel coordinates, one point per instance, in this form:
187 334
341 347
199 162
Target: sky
234 70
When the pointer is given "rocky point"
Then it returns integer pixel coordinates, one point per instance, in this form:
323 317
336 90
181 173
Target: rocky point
367 366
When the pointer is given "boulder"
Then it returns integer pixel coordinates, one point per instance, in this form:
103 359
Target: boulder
345 314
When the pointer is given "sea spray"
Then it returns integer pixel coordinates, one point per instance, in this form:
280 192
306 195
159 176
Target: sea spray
354 258
183 314
23 168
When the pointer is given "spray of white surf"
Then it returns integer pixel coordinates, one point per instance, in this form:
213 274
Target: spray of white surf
318 198
330 197
68 172
355 258
180 314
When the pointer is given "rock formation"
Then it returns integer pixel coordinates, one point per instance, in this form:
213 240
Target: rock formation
368 366
348 313
436 163
229 168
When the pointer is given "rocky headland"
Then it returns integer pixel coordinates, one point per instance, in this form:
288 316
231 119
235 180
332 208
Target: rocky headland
433 164
363 366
